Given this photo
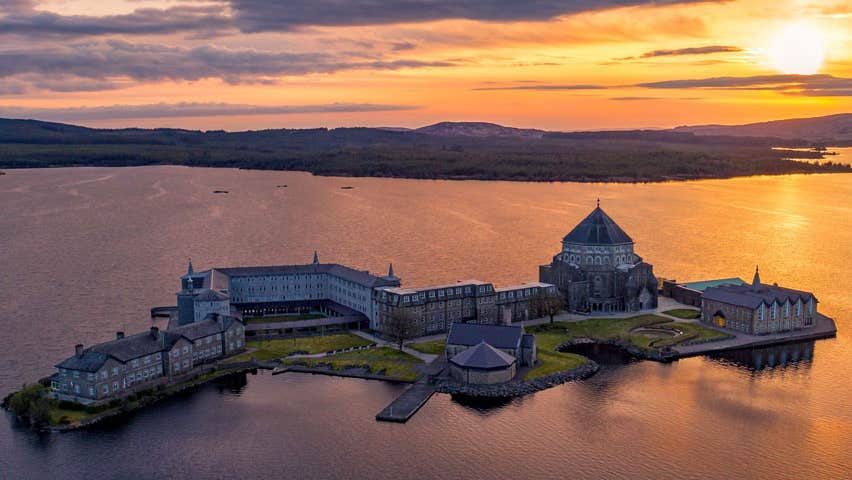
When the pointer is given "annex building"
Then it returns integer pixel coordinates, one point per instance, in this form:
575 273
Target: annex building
758 309
598 270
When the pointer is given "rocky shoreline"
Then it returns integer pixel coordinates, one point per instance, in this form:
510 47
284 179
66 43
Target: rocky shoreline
518 388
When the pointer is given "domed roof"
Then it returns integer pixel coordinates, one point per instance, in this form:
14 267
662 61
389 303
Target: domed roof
597 229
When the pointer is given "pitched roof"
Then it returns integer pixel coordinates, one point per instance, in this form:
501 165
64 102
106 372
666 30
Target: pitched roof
483 356
528 340
597 229
89 362
360 277
196 330
122 349
138 345
746 296
470 334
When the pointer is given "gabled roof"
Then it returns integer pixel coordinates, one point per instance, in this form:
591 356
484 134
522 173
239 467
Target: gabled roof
122 350
196 330
89 362
746 296
470 334
138 345
356 276
483 356
597 229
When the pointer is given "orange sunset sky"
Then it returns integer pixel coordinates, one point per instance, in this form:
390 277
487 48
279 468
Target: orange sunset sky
560 65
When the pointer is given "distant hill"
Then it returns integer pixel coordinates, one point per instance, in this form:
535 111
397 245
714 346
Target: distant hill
446 150
478 130
816 129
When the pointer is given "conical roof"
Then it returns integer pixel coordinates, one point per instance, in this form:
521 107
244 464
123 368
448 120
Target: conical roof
597 229
483 356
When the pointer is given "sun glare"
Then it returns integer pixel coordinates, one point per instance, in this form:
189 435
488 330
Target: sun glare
798 48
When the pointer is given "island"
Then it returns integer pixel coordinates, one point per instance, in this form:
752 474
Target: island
467 338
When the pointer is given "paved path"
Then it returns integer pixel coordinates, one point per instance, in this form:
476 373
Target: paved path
428 358
823 327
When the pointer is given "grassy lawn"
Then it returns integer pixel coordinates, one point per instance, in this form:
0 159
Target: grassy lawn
685 313
381 361
550 335
690 331
551 362
434 348
280 348
283 318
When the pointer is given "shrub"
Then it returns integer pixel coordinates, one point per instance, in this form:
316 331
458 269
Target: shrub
114 402
69 405
64 420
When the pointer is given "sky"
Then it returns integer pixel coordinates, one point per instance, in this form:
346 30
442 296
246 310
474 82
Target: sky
551 64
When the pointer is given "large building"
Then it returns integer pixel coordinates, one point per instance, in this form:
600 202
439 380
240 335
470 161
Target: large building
435 309
333 289
598 270
128 364
758 309
689 293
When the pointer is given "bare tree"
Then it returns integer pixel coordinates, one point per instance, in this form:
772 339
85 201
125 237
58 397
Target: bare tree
547 303
401 325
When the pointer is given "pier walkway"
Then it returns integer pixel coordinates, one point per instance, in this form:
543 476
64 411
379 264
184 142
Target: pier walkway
407 404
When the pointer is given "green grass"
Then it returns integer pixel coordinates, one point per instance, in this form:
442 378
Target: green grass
685 313
280 348
433 348
380 361
551 335
689 332
283 318
550 362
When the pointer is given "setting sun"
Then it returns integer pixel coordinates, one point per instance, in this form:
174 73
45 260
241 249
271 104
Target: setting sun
798 49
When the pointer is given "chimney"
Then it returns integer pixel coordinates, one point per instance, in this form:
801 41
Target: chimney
78 349
119 335
155 333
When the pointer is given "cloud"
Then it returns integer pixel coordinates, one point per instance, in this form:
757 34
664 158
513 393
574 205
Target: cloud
146 62
691 51
171 110
633 99
273 15
546 87
811 85
808 85
146 21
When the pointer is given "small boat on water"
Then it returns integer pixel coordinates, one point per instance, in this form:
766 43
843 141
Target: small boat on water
280 186
347 187
220 191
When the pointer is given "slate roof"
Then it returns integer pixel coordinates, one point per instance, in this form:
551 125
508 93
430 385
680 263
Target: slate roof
123 350
528 340
483 356
746 296
89 362
356 276
196 330
597 229
138 345
470 334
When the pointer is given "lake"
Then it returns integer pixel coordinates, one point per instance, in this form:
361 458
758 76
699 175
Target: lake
87 251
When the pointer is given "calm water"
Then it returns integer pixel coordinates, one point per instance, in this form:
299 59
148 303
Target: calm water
85 252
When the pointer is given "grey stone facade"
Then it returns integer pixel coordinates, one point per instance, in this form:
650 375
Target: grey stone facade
758 309
598 271
127 364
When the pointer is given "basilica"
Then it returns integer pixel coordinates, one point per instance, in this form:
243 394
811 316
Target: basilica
598 271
